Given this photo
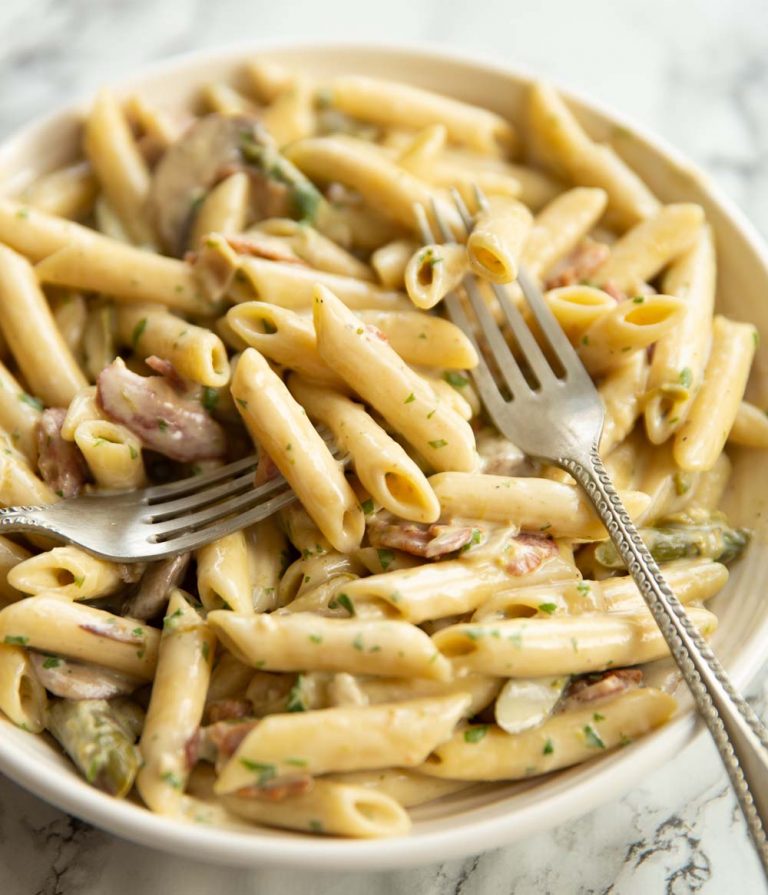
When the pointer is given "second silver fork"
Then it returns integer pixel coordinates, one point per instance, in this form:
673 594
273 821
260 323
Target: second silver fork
559 418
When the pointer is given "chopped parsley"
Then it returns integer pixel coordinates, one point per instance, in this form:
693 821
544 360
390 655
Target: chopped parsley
138 632
638 299
295 701
357 643
209 398
598 717
549 608
410 398
16 640
242 403
134 453
475 734
162 424
170 621
593 738
585 340
316 826
51 662
344 601
455 379
386 558
367 506
315 638
686 377
32 401
438 443
172 780
583 588
473 541
205 650
549 747
296 762
138 332
266 772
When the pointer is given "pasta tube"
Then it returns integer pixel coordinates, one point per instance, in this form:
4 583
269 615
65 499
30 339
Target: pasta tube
30 330
402 397
223 574
701 438
381 464
486 752
496 242
533 504
308 642
399 734
22 697
276 422
66 572
433 272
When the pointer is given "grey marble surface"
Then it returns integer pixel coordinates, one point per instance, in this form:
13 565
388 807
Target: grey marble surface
694 70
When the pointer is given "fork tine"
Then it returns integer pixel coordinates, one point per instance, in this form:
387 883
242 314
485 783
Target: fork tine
461 205
168 509
427 236
552 330
197 482
446 234
238 504
193 539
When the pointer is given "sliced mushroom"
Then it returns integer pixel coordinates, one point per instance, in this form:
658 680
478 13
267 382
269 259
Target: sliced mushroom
526 702
61 464
214 147
167 422
156 585
77 680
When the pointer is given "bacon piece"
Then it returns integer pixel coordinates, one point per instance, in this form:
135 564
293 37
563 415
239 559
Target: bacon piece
219 742
429 541
278 789
618 295
527 552
603 685
61 464
113 632
264 247
229 710
167 370
583 261
165 421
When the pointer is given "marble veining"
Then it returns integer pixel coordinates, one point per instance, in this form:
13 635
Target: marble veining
696 71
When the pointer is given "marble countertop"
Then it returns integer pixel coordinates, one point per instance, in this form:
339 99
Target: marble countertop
696 71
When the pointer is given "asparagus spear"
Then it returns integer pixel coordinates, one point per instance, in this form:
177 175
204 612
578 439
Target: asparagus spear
684 537
99 737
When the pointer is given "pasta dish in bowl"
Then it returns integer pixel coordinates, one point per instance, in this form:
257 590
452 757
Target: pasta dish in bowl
227 258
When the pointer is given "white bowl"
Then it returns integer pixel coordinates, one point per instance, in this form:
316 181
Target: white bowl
490 816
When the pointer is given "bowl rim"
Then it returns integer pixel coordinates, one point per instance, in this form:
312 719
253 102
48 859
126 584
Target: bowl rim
598 781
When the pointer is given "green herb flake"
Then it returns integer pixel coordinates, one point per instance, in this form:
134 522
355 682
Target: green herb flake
79 581
32 401
266 772
315 638
170 621
162 424
134 453
756 337
209 398
545 527
346 603
316 826
386 558
296 762
516 640
367 506
686 377
242 403
438 443
51 662
455 379
549 747
172 780
138 632
593 738
138 332
598 717
205 650
475 734
357 643
410 399
583 588
638 299
549 608
22 213
585 340
295 701
16 640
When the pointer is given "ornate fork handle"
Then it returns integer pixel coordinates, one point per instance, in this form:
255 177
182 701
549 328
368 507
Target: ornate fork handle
741 738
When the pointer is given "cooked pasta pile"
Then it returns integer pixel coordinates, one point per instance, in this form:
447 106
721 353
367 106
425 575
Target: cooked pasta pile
441 610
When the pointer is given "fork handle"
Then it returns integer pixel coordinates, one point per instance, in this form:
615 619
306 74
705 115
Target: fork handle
741 738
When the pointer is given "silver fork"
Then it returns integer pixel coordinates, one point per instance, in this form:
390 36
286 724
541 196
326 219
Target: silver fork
559 419
141 526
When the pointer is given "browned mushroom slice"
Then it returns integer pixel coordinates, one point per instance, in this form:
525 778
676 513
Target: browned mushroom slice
156 585
211 149
79 680
61 464
167 422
